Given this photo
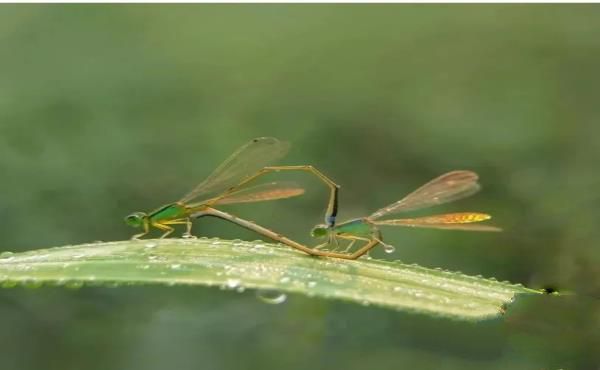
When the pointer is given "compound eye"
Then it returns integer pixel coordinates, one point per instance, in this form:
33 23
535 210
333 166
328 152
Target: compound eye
133 217
319 231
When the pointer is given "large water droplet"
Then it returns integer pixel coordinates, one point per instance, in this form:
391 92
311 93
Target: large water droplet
389 248
232 283
271 296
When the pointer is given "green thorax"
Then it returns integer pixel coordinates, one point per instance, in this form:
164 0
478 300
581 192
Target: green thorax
169 212
358 227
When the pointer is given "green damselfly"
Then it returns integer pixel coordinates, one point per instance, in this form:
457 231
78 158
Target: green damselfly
227 185
443 189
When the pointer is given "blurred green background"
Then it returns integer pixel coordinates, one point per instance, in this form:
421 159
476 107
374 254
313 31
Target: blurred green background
108 109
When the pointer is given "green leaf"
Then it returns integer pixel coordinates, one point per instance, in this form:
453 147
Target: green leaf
241 265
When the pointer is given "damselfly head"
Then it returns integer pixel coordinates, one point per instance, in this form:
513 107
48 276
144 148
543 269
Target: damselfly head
319 231
136 219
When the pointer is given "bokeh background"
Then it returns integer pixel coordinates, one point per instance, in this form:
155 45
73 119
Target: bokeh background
108 109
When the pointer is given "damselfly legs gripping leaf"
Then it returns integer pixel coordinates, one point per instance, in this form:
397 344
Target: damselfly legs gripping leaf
226 185
443 189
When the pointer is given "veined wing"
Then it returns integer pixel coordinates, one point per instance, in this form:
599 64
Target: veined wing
453 221
246 161
446 188
260 193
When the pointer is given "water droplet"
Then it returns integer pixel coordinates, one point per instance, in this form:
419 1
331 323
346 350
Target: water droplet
271 296
284 280
175 266
311 284
151 245
389 248
232 283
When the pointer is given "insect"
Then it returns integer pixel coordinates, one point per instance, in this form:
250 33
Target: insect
226 185
443 189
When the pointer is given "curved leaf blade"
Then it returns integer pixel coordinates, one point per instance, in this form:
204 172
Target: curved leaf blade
257 265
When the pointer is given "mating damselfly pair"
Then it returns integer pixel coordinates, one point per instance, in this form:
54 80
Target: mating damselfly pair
231 183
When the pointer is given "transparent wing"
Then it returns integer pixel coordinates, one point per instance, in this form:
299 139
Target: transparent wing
453 221
263 192
246 161
446 188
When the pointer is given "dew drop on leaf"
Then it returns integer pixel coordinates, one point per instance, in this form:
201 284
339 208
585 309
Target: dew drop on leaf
232 283
389 248
271 296
284 280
